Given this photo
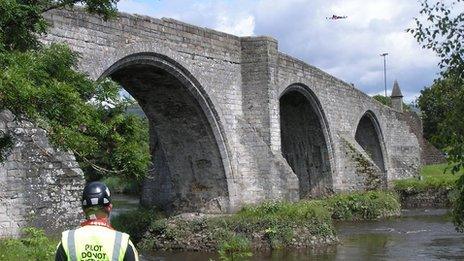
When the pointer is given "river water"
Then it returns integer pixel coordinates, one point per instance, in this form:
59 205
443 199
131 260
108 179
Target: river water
423 234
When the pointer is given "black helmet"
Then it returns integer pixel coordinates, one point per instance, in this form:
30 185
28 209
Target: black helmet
96 194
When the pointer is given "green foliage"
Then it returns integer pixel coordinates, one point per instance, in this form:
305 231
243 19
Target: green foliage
300 212
437 176
382 99
235 248
22 22
136 223
443 110
363 205
120 185
458 205
387 101
34 245
439 28
19 24
438 103
86 117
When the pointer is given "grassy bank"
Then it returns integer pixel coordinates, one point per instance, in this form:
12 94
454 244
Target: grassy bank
266 226
434 187
431 177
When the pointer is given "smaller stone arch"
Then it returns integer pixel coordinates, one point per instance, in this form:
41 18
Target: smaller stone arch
370 137
305 140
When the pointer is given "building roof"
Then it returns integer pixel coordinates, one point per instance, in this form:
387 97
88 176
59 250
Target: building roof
396 92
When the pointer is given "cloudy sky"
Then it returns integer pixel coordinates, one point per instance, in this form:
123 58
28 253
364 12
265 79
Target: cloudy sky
348 49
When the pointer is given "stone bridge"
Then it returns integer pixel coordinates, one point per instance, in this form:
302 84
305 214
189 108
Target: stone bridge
233 121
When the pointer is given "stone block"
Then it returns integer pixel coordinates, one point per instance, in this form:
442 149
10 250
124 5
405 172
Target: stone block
7 116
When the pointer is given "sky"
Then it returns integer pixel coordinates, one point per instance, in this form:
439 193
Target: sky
347 48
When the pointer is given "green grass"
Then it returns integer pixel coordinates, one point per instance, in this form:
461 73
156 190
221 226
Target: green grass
235 248
432 177
364 205
34 245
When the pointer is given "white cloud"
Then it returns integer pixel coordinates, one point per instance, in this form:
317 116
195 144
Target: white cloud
241 27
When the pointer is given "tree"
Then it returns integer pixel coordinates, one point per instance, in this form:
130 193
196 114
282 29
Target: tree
382 99
387 101
435 102
39 83
21 20
441 29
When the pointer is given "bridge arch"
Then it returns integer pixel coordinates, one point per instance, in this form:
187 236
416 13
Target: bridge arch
305 140
370 137
191 163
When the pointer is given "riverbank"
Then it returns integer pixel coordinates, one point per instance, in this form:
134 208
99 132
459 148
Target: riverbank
433 188
418 234
309 224
268 226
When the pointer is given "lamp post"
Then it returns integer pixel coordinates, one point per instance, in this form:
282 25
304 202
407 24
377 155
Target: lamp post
385 71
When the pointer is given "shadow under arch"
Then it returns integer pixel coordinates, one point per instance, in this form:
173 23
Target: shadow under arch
306 142
192 170
370 137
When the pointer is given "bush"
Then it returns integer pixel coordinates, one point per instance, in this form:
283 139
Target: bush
86 117
235 248
34 245
364 205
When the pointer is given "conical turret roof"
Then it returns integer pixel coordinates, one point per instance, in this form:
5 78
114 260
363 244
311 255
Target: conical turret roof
396 92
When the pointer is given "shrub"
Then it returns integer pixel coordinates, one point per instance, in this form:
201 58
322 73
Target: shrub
34 245
235 248
363 205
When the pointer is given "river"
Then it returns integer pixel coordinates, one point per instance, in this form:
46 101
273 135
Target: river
422 234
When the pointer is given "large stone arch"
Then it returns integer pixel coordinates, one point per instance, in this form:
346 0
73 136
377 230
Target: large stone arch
370 137
191 165
305 140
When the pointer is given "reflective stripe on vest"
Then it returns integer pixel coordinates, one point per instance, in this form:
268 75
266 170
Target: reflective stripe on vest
94 243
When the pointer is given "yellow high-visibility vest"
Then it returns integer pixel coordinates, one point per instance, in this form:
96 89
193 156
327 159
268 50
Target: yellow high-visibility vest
94 243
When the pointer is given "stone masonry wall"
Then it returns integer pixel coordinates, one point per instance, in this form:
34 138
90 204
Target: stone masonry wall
344 106
238 83
39 185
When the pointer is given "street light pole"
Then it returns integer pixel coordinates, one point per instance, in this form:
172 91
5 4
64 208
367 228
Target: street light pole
385 71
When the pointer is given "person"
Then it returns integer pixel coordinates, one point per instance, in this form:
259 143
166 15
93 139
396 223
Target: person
96 239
